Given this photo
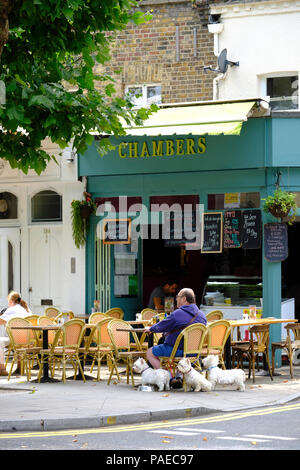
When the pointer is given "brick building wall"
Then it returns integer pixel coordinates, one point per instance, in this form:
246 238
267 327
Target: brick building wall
171 49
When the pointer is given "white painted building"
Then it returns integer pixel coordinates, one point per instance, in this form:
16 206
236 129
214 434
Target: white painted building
264 37
37 254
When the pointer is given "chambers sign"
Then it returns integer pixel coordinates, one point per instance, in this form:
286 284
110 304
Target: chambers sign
162 148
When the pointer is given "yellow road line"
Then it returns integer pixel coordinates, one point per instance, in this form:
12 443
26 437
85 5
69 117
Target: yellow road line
153 425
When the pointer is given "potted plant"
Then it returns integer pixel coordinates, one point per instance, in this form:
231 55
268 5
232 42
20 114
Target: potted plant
280 205
80 212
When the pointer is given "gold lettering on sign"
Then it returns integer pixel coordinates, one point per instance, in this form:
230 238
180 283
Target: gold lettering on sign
169 148
201 145
179 146
190 147
145 150
160 148
157 148
133 149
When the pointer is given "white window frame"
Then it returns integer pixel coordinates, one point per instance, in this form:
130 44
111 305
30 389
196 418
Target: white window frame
144 87
263 85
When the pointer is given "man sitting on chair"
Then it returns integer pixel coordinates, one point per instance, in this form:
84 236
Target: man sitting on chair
186 313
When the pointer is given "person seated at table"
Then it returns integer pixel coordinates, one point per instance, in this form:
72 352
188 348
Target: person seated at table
17 308
158 295
186 313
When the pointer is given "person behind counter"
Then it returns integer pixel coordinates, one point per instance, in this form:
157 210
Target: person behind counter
186 313
17 308
157 296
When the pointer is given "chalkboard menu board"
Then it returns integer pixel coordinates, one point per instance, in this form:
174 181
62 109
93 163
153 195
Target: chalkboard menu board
251 233
212 230
276 241
116 231
182 229
233 229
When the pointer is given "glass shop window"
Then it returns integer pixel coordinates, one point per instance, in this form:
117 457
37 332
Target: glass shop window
46 206
283 92
233 200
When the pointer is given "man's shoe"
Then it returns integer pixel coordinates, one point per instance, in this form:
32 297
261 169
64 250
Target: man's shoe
176 382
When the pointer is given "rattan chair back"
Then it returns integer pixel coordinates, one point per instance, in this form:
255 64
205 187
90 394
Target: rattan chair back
193 339
98 316
99 334
148 313
70 334
52 312
44 320
19 338
33 319
214 315
115 312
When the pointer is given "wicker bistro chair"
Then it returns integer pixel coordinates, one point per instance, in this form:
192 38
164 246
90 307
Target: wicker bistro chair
70 334
258 344
123 348
98 346
44 320
217 335
64 316
214 315
115 312
148 313
193 338
290 344
52 312
98 316
24 347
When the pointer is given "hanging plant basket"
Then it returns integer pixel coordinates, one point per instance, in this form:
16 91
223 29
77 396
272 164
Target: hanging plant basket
278 212
80 213
281 204
85 211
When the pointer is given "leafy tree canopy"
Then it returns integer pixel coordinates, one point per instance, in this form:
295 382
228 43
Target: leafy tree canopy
51 43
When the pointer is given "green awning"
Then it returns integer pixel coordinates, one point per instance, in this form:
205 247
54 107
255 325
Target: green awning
223 118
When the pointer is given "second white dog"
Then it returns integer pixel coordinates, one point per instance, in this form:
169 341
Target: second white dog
215 375
159 377
193 379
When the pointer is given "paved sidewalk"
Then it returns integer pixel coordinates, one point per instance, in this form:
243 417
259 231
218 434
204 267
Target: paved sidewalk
52 406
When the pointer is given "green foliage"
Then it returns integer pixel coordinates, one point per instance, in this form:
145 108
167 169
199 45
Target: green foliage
79 224
282 202
53 43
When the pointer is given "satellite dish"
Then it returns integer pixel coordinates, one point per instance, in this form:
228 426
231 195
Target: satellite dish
222 63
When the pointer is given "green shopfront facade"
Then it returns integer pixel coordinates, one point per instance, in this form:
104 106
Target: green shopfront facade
145 167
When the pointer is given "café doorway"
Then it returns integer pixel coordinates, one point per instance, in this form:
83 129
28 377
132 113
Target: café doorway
191 268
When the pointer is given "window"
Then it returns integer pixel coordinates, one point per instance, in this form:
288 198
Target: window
8 206
233 200
46 206
283 92
143 95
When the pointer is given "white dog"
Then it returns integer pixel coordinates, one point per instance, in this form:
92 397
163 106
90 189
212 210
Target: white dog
215 375
193 379
159 377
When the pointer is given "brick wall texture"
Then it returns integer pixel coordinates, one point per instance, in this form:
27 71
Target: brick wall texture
150 54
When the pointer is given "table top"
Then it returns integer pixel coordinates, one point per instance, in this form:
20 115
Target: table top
137 322
135 330
36 327
261 321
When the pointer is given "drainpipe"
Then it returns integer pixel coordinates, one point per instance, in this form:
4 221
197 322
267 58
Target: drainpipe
216 29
